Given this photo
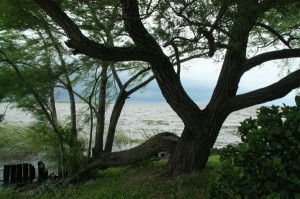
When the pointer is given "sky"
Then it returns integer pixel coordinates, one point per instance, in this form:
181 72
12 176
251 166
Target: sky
200 77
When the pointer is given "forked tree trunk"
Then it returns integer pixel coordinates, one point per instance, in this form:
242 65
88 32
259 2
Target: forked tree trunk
191 153
193 149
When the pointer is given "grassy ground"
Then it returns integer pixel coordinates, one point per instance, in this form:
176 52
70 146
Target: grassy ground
139 181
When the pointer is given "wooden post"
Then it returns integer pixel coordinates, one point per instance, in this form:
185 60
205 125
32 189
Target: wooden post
31 172
13 173
42 171
19 173
25 172
6 173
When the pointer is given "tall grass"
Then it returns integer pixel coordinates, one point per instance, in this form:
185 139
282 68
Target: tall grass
14 142
124 141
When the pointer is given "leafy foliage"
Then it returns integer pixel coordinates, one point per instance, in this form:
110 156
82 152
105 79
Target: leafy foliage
46 143
267 163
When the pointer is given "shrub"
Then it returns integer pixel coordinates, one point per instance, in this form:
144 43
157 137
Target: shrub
267 163
46 143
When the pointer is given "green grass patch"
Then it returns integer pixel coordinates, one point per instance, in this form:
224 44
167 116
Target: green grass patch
9 193
144 180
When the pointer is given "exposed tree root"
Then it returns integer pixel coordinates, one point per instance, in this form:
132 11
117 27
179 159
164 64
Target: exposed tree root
161 142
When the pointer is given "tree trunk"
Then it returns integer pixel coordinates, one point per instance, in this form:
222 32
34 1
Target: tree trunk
161 142
193 148
91 129
116 112
101 113
72 107
53 107
190 154
67 78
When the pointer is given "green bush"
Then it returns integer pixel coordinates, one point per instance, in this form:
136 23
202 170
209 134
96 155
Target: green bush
46 143
267 163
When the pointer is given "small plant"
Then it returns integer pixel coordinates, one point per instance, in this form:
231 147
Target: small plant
267 163
146 135
122 140
215 151
47 144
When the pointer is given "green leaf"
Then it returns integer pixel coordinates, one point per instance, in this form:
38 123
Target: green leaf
283 174
239 173
273 196
270 185
243 148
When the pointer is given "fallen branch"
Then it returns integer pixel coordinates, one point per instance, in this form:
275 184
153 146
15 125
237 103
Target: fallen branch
161 142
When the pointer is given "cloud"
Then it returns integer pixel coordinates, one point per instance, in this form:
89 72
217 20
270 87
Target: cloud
200 77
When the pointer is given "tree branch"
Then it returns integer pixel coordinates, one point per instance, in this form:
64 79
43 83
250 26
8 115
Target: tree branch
136 76
140 85
172 43
135 27
221 13
273 31
105 53
62 19
161 142
116 76
271 92
269 56
83 45
162 68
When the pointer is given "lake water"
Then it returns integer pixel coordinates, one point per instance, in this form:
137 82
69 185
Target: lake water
141 119
138 120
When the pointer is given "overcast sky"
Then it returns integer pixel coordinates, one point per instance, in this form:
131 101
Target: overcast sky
201 77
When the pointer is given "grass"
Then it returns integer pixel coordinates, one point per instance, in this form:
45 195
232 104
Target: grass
14 142
138 181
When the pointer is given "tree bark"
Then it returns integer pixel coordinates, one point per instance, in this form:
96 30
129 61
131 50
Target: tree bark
101 113
116 112
165 142
53 107
120 102
193 149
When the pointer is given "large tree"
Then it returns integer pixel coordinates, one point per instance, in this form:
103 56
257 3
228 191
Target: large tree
232 29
